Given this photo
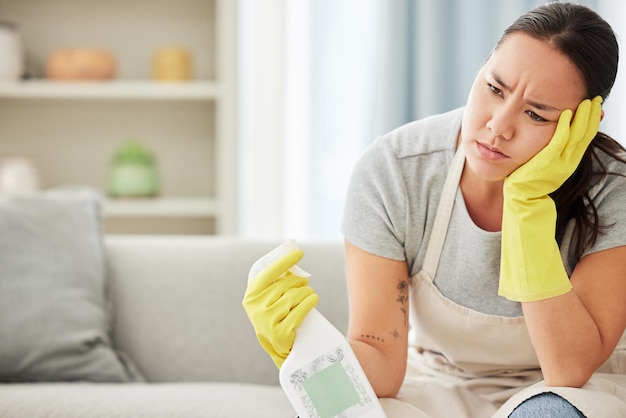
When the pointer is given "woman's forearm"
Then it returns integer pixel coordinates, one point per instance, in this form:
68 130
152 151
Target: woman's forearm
384 374
566 339
573 334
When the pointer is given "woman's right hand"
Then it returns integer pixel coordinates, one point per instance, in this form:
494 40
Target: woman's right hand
556 162
531 268
276 302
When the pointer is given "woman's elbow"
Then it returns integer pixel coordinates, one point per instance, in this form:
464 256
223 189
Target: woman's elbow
389 389
388 384
575 377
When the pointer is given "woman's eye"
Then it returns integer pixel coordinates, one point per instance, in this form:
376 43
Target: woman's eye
532 115
494 89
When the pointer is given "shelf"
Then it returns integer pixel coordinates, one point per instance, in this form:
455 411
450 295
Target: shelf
114 89
160 207
70 128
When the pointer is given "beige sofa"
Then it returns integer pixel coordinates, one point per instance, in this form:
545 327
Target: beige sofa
177 315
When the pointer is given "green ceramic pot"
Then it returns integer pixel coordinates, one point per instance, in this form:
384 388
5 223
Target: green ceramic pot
133 172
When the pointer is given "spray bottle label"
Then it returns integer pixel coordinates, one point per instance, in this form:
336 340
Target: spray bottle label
329 386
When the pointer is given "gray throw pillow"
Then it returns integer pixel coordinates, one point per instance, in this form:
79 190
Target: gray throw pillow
54 321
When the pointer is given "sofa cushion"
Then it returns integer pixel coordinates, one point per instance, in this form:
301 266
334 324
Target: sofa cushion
165 400
54 324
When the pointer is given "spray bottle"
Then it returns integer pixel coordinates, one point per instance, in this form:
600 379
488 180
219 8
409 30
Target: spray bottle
321 375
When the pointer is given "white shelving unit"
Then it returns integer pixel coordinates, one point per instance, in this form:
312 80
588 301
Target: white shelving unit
115 89
179 207
72 129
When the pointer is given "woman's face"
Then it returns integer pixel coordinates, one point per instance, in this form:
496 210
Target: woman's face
515 104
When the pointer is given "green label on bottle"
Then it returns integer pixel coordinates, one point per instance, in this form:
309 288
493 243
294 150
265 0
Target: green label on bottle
331 391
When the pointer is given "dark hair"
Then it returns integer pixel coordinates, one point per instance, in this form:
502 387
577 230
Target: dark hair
590 43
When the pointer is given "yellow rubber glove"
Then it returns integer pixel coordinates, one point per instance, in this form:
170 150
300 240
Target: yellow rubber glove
276 302
531 266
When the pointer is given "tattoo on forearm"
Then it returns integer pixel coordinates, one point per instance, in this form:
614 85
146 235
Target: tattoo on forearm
403 297
403 300
372 337
395 334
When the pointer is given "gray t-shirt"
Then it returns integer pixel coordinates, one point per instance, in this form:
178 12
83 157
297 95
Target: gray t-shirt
392 200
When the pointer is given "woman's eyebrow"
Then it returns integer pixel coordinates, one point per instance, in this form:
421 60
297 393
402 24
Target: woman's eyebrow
542 106
537 105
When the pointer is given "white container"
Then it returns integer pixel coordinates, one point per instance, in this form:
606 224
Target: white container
11 54
18 175
321 375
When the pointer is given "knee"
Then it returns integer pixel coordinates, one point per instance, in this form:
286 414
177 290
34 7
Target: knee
544 405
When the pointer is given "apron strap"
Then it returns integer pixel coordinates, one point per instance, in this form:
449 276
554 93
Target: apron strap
442 218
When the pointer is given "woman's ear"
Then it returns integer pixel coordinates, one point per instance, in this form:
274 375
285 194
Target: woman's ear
602 115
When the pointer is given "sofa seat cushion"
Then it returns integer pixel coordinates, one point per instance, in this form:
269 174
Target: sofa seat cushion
139 400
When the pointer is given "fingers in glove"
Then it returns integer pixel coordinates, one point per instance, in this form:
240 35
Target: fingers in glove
275 291
559 140
595 116
581 118
289 303
284 333
272 272
304 307
286 316
580 124
584 127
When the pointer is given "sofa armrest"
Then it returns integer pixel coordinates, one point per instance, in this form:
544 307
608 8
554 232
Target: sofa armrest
177 304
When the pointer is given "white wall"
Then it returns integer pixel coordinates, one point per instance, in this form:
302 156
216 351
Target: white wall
614 123
261 117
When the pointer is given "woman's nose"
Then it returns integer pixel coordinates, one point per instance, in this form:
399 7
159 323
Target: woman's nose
501 122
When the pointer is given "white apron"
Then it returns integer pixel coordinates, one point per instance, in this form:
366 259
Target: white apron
467 364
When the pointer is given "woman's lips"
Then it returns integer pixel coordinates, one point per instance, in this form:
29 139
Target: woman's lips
489 153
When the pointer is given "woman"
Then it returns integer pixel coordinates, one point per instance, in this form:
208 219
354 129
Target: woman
469 296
